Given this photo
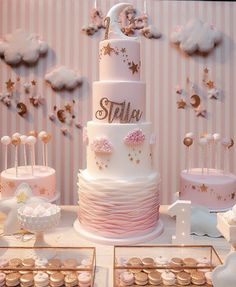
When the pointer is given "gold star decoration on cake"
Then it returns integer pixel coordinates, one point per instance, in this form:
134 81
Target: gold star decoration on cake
133 67
10 85
181 104
123 50
108 49
232 195
21 197
203 188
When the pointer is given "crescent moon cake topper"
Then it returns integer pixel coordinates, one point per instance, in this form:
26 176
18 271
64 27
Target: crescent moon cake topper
113 16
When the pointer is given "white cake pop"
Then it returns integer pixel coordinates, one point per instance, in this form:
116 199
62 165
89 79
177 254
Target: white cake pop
31 141
6 140
23 139
216 137
41 134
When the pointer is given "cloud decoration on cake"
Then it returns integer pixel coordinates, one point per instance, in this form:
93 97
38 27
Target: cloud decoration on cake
203 222
195 36
134 138
63 78
224 275
21 46
9 206
101 145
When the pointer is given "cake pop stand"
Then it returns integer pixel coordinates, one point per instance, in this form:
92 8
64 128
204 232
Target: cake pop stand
227 230
39 225
119 241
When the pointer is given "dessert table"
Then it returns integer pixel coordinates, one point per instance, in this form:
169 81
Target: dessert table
65 235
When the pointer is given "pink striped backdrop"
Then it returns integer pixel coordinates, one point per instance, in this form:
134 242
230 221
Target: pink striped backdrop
59 23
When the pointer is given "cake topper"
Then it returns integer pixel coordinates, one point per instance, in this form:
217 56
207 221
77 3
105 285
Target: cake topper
16 142
188 141
113 15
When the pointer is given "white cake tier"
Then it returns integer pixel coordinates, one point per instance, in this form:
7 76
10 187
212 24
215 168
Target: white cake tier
118 208
119 59
215 190
42 182
119 101
108 156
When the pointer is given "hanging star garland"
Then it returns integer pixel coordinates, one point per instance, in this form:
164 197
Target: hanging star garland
10 85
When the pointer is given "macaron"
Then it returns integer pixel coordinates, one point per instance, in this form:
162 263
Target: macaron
161 262
177 261
208 276
27 263
27 280
148 262
41 279
175 268
189 262
126 278
50 272
54 262
70 263
13 279
141 278
168 278
203 260
198 278
135 262
71 280
3 262
15 262
154 278
84 279
86 262
183 278
57 279
41 262
2 279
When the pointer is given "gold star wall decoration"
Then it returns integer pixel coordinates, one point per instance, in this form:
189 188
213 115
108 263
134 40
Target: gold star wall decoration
181 104
10 85
33 82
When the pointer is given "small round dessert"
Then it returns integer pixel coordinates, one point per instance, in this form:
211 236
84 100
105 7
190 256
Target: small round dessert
15 262
155 278
84 279
198 278
126 278
71 280
161 262
203 261
27 280
183 278
70 263
3 262
208 276
189 262
86 262
41 279
13 279
168 278
41 262
135 262
176 265
141 278
147 262
53 263
2 279
27 263
57 279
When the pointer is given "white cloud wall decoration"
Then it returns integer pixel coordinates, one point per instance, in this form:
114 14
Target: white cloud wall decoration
195 36
63 78
21 46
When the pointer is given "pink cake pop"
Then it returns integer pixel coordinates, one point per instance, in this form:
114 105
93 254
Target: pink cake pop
23 139
31 141
6 140
203 143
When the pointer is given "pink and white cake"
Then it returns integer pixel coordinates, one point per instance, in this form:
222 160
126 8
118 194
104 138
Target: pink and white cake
42 182
214 189
119 190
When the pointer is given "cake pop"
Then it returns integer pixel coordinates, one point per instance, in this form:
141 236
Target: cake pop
6 140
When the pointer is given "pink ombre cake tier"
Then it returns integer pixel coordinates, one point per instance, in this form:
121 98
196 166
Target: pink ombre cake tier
42 182
215 190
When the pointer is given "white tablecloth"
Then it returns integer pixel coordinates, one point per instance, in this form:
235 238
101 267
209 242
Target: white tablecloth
65 235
